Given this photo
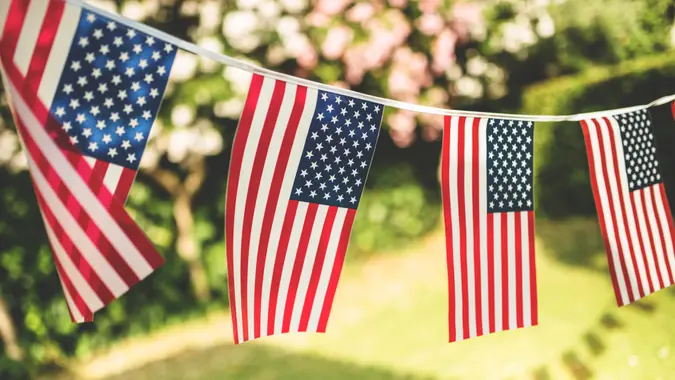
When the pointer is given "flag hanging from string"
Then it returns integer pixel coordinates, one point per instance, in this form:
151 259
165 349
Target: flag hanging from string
634 214
488 205
299 164
84 91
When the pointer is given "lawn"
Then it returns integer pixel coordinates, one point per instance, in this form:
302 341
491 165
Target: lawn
390 322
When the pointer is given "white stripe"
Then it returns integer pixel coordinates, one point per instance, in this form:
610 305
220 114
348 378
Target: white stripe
468 210
628 204
327 270
308 265
291 252
615 189
4 10
282 203
645 233
454 203
653 228
482 213
79 237
91 205
29 34
270 162
497 236
79 283
670 253
112 177
74 312
603 194
58 54
511 254
525 254
250 149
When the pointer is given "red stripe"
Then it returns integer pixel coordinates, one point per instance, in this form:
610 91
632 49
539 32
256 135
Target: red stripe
337 269
475 176
233 180
672 109
299 264
610 201
273 199
504 233
447 218
533 269
650 235
318 268
663 204
491 269
519 267
42 49
600 210
461 163
70 288
16 16
279 260
624 213
252 195
639 232
124 184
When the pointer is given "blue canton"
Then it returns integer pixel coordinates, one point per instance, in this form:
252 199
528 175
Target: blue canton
510 165
637 138
111 88
338 151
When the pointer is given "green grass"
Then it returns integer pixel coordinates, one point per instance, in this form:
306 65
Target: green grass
389 321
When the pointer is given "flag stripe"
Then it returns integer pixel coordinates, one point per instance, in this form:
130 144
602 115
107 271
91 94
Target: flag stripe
654 281
473 181
449 241
14 23
519 253
654 232
666 224
533 312
481 210
4 11
454 207
28 36
337 269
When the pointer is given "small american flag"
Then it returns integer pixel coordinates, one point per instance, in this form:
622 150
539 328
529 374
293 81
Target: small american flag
84 92
489 225
631 201
299 164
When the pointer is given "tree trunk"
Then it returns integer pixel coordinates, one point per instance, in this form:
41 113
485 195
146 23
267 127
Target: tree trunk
8 334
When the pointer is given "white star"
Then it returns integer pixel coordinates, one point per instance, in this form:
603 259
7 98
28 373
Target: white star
148 78
81 118
326 196
100 124
353 200
60 111
86 132
94 110
91 17
131 33
90 57
119 131
298 191
84 42
126 144
312 194
319 116
75 66
351 103
168 48
369 117
73 140
154 93
338 100
96 73
161 70
315 136
124 56
68 88
66 126
133 123
112 26
357 114
377 109
303 173
114 117
104 49
135 86
343 112
93 146
324 96
329 108
129 72
118 41
131 157
110 64
156 56
108 102
146 115
112 152
116 80
122 94
150 41
139 136
334 119
128 109
102 88
143 63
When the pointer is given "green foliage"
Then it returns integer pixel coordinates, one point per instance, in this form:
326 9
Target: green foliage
561 167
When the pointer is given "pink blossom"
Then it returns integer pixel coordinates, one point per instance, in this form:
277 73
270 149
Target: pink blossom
355 69
402 128
443 51
398 3
331 7
307 58
336 42
429 6
430 24
317 19
361 12
466 16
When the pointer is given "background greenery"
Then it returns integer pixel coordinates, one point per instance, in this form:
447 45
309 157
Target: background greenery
499 55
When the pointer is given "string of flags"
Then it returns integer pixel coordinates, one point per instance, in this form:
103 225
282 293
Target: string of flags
85 87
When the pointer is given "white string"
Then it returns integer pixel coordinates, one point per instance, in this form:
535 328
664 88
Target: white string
252 68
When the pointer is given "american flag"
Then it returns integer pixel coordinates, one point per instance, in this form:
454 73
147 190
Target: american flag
631 201
488 208
299 164
65 70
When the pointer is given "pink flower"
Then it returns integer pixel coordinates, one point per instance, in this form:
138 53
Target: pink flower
336 42
429 6
308 58
398 3
361 12
443 51
430 24
466 16
331 7
402 128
